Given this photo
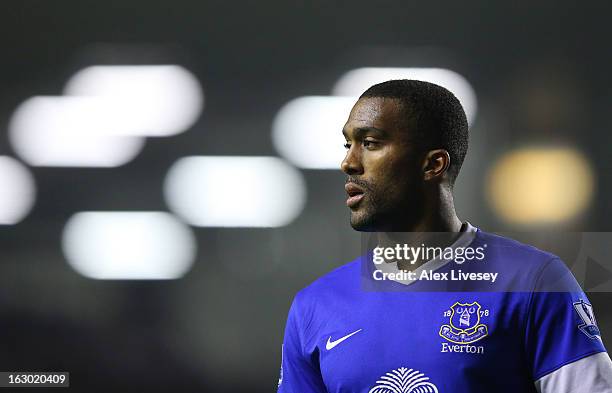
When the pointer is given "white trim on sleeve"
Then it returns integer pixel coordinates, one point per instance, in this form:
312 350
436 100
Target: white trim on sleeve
591 374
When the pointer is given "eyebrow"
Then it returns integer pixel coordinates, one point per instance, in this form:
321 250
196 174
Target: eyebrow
359 131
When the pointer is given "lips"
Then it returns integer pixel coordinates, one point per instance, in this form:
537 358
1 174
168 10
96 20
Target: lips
355 194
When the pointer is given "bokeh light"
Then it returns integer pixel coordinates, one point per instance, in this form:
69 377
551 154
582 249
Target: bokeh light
235 191
70 132
128 245
150 100
17 191
535 185
308 131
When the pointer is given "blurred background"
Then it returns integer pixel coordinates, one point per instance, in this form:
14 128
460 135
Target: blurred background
169 170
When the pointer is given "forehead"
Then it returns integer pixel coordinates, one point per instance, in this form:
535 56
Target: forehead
377 112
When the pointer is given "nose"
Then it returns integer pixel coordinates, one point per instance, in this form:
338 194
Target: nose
351 165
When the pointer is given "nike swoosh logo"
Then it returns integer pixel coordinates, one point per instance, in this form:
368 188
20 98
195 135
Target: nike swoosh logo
330 344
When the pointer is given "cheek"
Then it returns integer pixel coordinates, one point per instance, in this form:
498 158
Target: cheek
382 162
391 172
389 182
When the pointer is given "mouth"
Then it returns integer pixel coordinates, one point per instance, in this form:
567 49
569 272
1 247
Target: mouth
355 194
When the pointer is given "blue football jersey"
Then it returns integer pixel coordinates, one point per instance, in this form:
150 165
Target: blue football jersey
342 337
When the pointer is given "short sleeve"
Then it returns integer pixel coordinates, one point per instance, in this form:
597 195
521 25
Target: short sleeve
299 372
561 326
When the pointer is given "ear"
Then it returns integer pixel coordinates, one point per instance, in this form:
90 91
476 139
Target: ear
435 164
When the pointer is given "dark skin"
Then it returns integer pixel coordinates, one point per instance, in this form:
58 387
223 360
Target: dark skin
405 187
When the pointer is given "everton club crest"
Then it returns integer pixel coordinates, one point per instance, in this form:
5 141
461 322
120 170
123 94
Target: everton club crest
464 325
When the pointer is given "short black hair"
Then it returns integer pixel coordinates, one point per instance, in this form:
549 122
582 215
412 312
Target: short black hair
436 114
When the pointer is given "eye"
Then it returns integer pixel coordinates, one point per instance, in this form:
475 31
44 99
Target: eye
368 143
347 146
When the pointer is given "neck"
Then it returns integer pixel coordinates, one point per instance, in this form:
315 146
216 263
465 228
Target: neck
439 226
442 216
438 215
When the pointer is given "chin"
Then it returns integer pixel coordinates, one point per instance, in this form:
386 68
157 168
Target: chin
363 223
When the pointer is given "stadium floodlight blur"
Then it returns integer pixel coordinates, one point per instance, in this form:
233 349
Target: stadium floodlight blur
128 245
356 81
540 185
151 100
70 131
307 120
106 112
307 131
233 191
17 191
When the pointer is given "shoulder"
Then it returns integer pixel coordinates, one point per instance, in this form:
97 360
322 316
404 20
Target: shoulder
504 250
525 267
315 305
513 247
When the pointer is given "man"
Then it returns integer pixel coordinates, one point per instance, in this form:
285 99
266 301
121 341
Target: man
531 329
